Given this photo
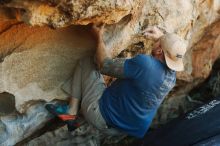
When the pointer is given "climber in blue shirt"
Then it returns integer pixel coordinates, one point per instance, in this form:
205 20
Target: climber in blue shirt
129 104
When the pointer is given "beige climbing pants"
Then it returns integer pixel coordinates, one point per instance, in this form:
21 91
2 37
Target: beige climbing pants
87 84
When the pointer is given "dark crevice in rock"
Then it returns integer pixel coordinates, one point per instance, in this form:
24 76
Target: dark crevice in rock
7 103
210 88
8 13
2 56
126 19
5 2
9 27
5 54
137 48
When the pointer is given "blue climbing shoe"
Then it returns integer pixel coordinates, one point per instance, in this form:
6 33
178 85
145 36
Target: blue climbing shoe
60 111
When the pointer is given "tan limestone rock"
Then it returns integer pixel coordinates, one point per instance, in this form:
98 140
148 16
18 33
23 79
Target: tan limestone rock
39 59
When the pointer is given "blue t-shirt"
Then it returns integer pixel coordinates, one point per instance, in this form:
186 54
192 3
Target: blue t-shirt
130 104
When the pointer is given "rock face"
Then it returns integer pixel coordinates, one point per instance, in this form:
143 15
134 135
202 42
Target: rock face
14 128
60 13
39 45
42 59
206 51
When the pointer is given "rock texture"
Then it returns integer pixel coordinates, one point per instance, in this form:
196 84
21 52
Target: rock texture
58 13
206 51
39 45
85 135
16 127
39 59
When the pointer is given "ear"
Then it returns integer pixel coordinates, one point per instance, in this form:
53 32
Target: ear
159 51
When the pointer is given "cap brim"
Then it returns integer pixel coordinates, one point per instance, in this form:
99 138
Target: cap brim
174 65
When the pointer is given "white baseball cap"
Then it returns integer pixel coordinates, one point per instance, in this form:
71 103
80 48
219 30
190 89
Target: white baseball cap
174 48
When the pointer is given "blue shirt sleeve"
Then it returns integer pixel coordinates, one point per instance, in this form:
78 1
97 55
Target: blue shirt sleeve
136 66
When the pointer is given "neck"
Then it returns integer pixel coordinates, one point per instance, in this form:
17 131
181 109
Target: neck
162 60
160 57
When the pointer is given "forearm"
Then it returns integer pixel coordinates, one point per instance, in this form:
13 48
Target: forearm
107 65
113 67
101 53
